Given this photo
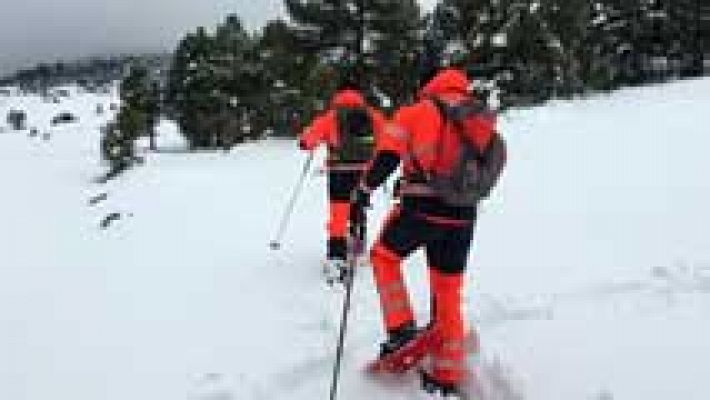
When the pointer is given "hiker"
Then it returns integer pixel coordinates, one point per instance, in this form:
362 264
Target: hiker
350 128
452 157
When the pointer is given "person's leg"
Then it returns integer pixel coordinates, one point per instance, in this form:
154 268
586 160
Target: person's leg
337 247
340 186
447 253
399 238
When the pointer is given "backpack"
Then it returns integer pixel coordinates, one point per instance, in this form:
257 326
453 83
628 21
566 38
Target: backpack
474 173
355 136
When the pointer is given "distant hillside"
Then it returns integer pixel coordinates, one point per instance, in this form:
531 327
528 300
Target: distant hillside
96 70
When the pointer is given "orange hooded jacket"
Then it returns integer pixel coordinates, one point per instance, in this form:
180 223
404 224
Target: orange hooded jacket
416 130
324 128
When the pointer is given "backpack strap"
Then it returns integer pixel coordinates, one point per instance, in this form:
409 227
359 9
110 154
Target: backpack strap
459 113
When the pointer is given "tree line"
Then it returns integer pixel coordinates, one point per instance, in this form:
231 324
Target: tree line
226 85
90 73
230 85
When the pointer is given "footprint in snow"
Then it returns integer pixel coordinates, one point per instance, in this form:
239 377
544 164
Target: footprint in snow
211 386
110 218
94 200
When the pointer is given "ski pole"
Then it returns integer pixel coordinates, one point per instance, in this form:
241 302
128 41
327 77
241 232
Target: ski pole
357 249
275 244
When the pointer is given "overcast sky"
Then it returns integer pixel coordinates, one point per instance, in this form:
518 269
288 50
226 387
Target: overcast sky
42 30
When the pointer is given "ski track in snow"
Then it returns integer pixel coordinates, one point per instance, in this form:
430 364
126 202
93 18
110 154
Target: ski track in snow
662 283
559 326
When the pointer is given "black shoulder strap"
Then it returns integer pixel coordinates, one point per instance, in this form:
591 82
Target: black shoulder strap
459 112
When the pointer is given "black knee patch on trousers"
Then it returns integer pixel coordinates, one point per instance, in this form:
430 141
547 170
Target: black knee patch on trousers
341 184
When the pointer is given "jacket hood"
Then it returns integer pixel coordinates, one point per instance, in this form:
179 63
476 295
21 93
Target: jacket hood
448 81
348 97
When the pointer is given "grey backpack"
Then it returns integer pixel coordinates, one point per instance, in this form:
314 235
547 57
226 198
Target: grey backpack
474 173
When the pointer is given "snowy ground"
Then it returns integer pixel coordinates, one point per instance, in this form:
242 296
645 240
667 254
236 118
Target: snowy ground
589 280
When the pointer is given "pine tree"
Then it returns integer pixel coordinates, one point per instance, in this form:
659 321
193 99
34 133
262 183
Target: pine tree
119 136
685 33
566 24
396 28
509 40
332 28
153 109
216 85
374 40
288 70
140 105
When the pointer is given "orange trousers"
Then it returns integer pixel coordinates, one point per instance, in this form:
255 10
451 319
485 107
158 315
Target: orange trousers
447 249
338 216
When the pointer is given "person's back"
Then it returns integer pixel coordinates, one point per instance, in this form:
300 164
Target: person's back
430 143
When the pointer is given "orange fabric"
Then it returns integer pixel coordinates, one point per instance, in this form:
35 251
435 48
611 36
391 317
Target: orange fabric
338 219
448 357
415 130
447 81
394 298
348 97
324 128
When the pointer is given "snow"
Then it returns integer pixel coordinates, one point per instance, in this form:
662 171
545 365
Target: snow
500 39
589 278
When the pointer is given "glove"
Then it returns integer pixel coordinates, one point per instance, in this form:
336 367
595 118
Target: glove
359 202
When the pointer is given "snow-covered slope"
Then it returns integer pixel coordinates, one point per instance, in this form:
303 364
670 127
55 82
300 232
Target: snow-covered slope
589 279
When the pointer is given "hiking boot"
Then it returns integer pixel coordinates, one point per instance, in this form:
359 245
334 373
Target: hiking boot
398 337
337 248
436 389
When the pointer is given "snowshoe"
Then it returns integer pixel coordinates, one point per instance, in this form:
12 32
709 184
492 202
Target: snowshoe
335 271
404 349
436 390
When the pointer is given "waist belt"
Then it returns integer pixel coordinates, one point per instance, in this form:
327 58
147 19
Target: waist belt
416 189
346 167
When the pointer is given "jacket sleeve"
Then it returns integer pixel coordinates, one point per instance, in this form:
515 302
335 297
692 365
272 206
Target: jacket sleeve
381 167
390 147
317 132
395 136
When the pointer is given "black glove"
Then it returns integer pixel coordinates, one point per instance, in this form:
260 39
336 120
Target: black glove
359 202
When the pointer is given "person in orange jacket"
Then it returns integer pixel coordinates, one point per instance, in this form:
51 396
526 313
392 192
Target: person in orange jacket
351 129
425 142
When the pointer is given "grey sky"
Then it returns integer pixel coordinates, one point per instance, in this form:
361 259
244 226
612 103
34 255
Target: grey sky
45 30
